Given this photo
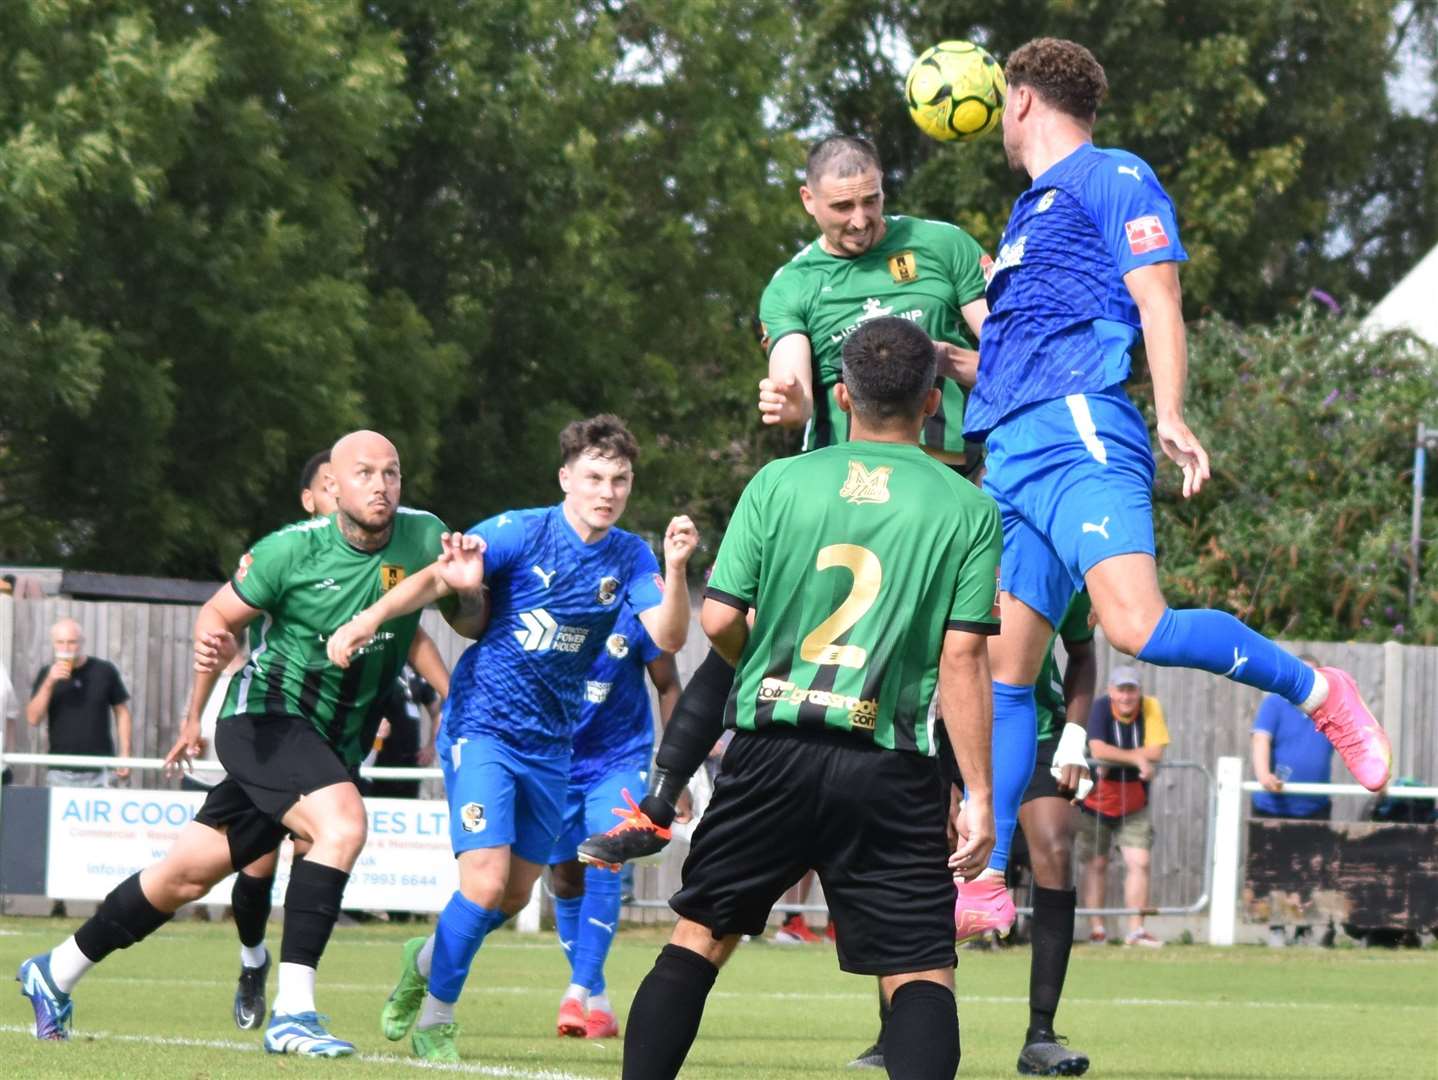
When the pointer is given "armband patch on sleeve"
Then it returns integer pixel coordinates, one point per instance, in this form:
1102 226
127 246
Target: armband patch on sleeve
1145 234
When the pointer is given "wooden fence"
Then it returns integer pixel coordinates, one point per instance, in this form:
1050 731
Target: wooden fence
1207 716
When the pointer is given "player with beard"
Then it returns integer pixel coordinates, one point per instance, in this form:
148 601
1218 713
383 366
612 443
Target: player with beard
288 736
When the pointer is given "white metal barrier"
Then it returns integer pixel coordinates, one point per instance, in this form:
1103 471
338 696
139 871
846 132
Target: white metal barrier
1228 836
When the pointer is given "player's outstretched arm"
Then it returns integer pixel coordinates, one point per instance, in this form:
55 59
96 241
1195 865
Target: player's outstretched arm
221 620
458 571
1156 292
966 700
668 624
786 397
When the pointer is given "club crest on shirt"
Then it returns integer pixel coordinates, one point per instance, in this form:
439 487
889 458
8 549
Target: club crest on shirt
471 817
904 267
617 646
1046 201
865 485
608 590
390 575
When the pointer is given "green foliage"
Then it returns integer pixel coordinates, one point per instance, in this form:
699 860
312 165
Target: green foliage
1303 530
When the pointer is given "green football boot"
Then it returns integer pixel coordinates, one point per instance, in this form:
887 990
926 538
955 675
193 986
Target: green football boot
401 1010
436 1043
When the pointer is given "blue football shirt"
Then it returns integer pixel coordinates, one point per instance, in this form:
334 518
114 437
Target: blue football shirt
553 602
1301 754
616 724
1061 321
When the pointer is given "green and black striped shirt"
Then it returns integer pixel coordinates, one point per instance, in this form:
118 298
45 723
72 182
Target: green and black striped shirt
308 581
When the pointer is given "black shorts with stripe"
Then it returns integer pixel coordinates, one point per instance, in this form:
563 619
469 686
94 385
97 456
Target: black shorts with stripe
863 817
270 762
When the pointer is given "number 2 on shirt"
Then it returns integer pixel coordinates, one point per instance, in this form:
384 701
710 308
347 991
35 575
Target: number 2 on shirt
818 646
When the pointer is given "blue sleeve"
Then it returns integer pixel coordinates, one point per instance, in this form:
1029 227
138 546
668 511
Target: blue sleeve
1098 718
504 541
1133 212
646 586
1269 715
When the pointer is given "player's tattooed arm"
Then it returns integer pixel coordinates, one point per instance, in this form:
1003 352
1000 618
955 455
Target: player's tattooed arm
458 572
786 396
967 703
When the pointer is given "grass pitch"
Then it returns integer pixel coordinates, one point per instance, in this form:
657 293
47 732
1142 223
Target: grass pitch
162 1009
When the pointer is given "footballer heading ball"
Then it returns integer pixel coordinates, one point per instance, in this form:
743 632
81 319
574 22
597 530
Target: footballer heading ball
955 91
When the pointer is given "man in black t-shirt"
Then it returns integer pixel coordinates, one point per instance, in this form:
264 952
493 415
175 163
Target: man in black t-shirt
404 746
76 694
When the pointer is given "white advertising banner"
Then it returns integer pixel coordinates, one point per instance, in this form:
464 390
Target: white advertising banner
99 837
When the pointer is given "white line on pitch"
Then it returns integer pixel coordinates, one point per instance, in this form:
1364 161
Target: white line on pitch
374 1059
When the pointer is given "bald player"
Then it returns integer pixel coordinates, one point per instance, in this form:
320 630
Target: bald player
288 736
252 895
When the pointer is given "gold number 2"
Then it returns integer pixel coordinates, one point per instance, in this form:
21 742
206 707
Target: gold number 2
818 647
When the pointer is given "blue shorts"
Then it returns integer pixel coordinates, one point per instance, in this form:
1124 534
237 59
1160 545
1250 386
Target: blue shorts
1073 478
499 798
588 809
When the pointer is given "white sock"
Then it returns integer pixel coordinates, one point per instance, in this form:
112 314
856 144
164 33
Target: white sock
1318 695
297 990
425 956
435 1012
254 957
600 1003
67 964
577 993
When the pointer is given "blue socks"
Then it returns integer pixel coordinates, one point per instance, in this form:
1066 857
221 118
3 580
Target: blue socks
598 921
1016 744
566 925
1215 641
462 927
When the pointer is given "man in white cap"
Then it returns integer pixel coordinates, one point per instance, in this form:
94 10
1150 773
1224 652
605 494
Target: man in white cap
1126 732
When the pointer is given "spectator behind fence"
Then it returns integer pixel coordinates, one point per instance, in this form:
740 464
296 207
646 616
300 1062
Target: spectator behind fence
1284 747
9 713
1127 731
76 695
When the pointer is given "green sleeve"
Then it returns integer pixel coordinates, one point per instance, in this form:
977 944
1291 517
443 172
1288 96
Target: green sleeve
975 606
260 578
782 307
1074 626
968 275
735 578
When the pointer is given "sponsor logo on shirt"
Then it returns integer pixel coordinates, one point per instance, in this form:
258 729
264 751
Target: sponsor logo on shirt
1145 234
864 485
873 308
1011 254
596 693
471 817
329 584
862 711
246 561
608 590
618 646
904 267
541 633
390 575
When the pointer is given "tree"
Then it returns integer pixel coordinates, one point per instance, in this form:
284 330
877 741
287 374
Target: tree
1303 530
182 302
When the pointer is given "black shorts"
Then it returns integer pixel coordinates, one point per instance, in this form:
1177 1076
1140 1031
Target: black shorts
789 801
1042 784
270 761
